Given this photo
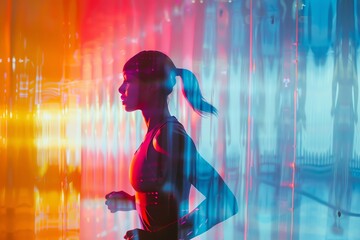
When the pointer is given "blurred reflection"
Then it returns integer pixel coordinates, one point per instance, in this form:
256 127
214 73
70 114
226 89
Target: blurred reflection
275 68
321 27
40 151
285 119
344 110
57 186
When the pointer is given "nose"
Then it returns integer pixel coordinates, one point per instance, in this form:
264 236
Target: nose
122 88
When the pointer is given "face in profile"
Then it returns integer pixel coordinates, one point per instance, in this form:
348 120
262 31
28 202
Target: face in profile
133 93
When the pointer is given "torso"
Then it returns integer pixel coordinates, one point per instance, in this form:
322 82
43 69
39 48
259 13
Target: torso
345 78
161 196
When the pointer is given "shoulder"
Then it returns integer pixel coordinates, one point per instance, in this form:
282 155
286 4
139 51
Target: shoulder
171 137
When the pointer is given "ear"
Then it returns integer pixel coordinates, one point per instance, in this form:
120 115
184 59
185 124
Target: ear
153 88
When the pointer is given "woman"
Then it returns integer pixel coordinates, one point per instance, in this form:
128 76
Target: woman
167 163
344 110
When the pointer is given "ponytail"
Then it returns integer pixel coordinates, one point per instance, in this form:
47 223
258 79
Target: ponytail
192 93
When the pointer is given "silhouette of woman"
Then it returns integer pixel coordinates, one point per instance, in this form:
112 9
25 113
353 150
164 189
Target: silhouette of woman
167 163
344 110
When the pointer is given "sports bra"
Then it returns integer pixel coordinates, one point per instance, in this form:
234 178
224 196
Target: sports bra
148 175
156 203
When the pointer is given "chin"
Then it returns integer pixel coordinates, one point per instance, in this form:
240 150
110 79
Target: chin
129 109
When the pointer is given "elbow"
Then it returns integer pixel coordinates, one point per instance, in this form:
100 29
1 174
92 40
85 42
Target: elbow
232 206
235 206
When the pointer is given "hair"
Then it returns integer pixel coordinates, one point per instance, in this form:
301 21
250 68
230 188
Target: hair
156 67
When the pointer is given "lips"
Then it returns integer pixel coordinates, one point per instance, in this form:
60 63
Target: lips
123 99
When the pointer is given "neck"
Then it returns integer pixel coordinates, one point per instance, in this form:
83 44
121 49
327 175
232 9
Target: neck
156 115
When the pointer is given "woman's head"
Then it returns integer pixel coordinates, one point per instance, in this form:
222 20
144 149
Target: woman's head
152 67
151 75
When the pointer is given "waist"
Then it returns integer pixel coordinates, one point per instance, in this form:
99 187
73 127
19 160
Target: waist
154 198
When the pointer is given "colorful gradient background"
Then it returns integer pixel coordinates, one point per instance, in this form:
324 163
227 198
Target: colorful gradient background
65 140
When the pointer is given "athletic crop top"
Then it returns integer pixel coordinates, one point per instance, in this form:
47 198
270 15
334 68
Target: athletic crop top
162 190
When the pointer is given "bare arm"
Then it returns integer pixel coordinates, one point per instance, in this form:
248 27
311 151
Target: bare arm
219 205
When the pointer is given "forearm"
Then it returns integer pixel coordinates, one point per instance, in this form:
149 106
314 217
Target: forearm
204 217
217 207
192 225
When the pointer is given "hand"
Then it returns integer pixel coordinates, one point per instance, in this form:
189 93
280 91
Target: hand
139 234
120 201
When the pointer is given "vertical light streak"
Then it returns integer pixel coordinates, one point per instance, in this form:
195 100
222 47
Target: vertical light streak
293 165
249 125
5 109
